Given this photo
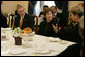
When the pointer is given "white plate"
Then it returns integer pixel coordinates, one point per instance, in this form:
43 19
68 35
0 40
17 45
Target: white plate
17 51
42 52
63 42
54 39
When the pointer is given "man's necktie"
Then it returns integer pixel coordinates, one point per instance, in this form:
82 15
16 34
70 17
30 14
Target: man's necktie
21 23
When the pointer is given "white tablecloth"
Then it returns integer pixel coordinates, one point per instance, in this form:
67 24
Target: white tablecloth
38 44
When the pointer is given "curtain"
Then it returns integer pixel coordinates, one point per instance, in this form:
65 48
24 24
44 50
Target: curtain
41 5
63 5
31 7
59 4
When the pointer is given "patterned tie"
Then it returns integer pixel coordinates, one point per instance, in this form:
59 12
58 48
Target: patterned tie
21 23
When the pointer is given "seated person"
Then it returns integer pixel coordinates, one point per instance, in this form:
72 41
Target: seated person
70 32
23 20
45 27
3 21
16 13
58 16
43 12
54 11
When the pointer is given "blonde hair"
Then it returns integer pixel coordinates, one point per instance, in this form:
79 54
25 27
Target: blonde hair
77 10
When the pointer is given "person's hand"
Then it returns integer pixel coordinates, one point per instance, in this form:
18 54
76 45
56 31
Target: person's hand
56 28
59 28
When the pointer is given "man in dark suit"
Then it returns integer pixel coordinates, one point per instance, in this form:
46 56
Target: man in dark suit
23 20
16 11
55 12
56 15
3 21
45 7
63 8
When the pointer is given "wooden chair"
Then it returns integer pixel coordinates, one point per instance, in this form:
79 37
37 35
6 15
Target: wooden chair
10 20
36 28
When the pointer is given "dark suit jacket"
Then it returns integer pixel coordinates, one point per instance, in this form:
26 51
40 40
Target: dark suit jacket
3 21
70 33
46 29
28 21
60 19
41 13
16 13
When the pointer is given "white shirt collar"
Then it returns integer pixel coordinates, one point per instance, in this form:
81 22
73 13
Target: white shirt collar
55 13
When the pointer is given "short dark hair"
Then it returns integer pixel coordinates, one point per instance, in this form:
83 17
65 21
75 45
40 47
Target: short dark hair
45 6
48 10
20 6
54 6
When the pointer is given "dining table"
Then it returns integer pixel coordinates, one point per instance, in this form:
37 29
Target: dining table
36 45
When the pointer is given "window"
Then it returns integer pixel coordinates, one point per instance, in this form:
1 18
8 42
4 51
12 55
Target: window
49 3
39 6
